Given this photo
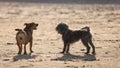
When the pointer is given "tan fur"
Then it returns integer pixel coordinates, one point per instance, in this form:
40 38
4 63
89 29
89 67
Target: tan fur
23 37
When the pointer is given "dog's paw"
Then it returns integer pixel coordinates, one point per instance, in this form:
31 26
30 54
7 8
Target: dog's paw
31 51
62 52
87 53
68 53
25 53
19 53
93 53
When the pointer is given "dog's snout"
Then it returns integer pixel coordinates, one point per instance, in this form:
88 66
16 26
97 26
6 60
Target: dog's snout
36 24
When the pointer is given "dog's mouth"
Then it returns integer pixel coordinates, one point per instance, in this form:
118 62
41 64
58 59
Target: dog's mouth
35 28
58 32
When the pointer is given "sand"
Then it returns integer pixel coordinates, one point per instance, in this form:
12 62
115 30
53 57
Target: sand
103 20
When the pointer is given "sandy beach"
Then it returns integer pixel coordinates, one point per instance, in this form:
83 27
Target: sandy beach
103 20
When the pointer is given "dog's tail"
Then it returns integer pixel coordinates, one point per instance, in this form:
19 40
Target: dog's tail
18 29
86 28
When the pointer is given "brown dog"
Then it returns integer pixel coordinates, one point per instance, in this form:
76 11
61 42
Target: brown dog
25 36
71 36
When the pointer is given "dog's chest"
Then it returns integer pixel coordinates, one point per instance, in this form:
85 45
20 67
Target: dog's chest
28 36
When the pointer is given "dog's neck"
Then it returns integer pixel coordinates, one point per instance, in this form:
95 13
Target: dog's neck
28 31
65 32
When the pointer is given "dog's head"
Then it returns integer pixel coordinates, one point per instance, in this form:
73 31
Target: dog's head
31 26
62 28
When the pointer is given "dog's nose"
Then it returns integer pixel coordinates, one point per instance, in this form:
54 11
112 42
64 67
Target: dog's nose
37 24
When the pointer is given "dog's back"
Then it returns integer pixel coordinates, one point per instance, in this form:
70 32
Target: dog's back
20 36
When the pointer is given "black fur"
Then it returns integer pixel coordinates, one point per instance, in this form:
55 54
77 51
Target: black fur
71 36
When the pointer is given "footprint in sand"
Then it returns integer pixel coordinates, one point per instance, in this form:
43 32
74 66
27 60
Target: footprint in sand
6 59
88 66
8 43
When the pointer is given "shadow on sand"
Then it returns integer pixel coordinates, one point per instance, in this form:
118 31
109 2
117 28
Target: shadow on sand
70 57
20 57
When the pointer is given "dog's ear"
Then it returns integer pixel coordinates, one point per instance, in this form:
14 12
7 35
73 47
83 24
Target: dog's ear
65 25
25 23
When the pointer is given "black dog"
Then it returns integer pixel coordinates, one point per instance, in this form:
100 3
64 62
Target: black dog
70 36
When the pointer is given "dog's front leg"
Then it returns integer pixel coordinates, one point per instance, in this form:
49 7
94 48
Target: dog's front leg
68 48
64 48
31 42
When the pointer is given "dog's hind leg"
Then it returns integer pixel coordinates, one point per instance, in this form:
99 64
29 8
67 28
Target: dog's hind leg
20 48
92 45
25 49
85 43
